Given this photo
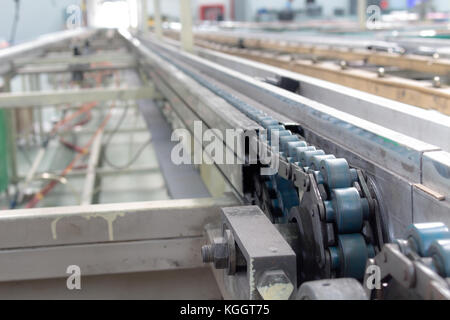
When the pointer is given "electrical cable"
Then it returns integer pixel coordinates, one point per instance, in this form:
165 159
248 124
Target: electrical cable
12 37
108 142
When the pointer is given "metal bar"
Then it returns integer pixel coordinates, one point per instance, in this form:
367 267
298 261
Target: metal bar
362 16
23 100
67 68
117 222
144 16
187 38
104 171
101 259
158 20
12 133
113 58
89 182
38 46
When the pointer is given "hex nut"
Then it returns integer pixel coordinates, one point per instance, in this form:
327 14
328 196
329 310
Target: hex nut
275 285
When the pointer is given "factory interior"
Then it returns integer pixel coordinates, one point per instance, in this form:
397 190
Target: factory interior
225 149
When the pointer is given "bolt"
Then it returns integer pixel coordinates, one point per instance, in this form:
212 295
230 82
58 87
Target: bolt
437 82
381 72
343 64
217 253
436 56
208 253
275 285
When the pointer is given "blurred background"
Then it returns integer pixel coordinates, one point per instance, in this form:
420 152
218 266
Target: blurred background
22 20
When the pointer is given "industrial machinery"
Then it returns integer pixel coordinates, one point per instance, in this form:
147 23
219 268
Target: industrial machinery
332 193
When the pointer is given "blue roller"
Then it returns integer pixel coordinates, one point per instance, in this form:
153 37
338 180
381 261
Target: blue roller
353 255
316 160
299 150
266 123
293 145
347 210
422 235
439 250
285 140
306 156
274 128
287 195
334 257
336 173
278 134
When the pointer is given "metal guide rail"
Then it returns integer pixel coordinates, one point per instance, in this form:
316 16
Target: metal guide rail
340 230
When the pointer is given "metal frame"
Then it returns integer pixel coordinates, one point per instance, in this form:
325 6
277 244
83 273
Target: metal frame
394 161
106 239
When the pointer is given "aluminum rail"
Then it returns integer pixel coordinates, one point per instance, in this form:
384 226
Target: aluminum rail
396 163
38 46
425 125
107 238
428 126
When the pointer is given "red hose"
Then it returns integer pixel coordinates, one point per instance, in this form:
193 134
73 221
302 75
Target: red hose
49 187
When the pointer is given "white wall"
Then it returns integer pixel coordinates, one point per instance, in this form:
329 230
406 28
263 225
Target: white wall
442 5
37 17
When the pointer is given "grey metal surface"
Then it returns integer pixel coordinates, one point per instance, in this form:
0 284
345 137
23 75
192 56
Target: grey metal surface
108 222
102 239
155 285
264 254
102 258
332 289
182 181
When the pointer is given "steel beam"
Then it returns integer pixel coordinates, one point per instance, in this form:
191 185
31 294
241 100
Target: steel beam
38 46
102 239
158 20
187 38
45 98
69 68
113 58
89 182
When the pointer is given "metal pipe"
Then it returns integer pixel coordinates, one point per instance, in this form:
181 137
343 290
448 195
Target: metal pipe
187 38
158 20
